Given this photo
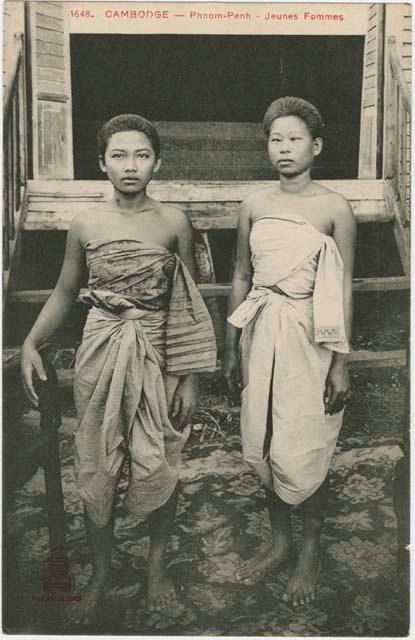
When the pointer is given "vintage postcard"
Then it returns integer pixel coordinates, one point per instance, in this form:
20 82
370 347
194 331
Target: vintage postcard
206 257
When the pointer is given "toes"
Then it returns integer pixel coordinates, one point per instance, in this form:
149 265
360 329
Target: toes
245 578
163 601
168 600
78 617
299 598
170 597
243 572
258 576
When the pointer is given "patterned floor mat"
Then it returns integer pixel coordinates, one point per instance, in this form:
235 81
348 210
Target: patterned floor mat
222 520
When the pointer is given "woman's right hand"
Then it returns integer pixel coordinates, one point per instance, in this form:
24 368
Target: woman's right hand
232 372
31 363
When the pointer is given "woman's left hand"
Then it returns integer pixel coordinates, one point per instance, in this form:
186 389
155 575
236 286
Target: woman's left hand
337 389
182 393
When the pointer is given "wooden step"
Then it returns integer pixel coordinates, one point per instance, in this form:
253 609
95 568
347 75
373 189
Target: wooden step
210 205
193 190
215 290
358 360
393 283
365 359
200 135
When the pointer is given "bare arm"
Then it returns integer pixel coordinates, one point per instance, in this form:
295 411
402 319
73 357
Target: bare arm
183 394
241 284
344 234
54 312
185 244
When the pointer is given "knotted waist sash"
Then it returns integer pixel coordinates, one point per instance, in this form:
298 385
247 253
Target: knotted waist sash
283 251
292 320
119 388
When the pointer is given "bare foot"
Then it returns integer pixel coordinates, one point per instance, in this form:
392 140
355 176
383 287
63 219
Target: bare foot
160 592
268 558
85 611
301 588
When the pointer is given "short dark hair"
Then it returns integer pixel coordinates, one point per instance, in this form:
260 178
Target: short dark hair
290 106
127 122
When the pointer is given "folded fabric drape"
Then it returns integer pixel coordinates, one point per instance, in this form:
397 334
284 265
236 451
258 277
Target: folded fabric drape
286 351
147 321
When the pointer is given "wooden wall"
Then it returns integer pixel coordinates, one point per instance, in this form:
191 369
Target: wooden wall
398 24
406 50
384 20
13 22
51 90
49 56
372 93
406 57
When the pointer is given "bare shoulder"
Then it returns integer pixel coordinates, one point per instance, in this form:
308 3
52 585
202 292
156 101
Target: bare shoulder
254 202
175 218
171 212
332 198
341 210
336 205
85 222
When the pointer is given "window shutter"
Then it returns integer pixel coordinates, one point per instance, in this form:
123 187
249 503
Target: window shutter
51 90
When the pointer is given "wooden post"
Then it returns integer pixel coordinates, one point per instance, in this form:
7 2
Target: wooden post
16 160
391 124
206 274
23 117
404 158
10 174
371 119
50 420
6 252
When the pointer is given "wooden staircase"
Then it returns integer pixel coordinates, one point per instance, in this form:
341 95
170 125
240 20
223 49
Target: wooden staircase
38 213
216 151
211 206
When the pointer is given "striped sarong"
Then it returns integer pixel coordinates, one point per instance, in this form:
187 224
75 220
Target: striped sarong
147 321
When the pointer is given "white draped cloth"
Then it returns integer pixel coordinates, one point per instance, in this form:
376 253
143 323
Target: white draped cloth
286 350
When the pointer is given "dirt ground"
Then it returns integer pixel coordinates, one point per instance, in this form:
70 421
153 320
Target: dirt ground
222 519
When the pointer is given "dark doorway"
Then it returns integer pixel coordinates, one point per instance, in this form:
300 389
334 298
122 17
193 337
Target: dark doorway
208 95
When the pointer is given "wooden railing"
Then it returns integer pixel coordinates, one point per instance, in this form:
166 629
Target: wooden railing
397 167
14 154
397 174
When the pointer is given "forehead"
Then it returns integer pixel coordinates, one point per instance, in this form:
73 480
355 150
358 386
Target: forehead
286 124
128 140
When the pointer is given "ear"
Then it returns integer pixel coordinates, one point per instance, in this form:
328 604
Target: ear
157 166
317 146
102 164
